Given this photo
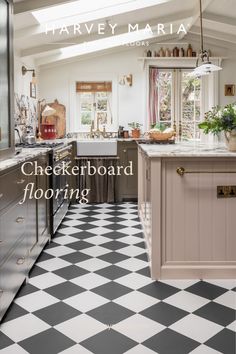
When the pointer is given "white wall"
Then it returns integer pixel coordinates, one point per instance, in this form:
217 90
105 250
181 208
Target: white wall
55 81
22 83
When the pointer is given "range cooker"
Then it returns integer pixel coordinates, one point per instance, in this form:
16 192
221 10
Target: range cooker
59 156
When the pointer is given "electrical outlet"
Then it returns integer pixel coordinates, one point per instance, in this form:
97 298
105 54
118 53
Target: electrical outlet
226 191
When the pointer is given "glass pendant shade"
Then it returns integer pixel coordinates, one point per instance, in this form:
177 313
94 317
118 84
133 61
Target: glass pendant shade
205 69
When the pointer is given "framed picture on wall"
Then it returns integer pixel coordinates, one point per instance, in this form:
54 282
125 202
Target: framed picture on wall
229 90
32 90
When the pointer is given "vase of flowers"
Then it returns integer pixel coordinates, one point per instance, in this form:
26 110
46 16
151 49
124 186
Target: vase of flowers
222 119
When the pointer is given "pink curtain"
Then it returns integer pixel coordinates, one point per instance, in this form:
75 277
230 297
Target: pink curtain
153 95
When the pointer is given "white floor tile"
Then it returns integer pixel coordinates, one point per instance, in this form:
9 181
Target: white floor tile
90 281
132 264
74 222
140 349
232 326
128 223
134 280
131 251
180 283
76 215
13 349
104 216
46 280
98 240
130 240
224 283
138 328
76 349
86 301
35 301
227 299
80 328
186 301
100 230
93 265
23 327
53 264
95 251
65 240
196 327
136 301
70 230
101 222
130 231
59 251
203 349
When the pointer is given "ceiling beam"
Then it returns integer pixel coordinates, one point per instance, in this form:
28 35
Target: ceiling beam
226 37
32 5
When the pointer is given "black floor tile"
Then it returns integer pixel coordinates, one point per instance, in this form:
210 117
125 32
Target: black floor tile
111 290
207 290
71 272
5 341
145 271
56 313
110 313
142 256
114 245
224 341
170 342
35 271
64 290
164 313
79 245
26 289
50 341
108 342
217 313
113 257
114 235
112 272
12 313
159 290
75 257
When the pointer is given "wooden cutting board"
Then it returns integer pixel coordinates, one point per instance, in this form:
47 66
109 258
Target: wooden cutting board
59 118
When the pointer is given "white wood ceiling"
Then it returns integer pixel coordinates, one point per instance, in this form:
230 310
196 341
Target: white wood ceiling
31 40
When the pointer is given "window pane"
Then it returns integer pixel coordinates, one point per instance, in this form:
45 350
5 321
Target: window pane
86 101
164 95
191 95
86 118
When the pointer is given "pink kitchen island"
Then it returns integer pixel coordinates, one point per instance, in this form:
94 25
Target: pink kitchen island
187 205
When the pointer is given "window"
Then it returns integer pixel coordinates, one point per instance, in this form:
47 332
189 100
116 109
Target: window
94 100
178 101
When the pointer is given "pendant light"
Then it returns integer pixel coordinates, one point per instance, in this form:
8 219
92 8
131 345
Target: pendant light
205 67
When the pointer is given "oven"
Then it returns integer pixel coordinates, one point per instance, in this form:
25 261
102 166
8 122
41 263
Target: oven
59 182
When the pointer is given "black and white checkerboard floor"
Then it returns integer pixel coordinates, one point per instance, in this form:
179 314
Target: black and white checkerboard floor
91 292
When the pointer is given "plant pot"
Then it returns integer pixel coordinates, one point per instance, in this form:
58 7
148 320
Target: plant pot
135 133
231 140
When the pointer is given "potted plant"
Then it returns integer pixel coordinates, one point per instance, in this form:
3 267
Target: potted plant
222 119
135 129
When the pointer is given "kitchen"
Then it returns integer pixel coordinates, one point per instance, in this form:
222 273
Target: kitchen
117 188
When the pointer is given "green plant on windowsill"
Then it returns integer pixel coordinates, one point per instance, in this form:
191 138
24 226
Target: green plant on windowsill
221 119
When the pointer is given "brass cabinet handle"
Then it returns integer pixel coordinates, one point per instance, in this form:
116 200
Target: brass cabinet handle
181 171
20 261
124 150
21 181
1 195
20 220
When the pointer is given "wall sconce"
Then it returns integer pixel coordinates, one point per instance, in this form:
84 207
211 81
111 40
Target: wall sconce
126 80
24 71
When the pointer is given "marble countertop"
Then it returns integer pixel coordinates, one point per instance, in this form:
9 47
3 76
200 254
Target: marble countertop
187 149
24 155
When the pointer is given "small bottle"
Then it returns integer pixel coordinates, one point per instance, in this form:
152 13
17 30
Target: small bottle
175 52
181 54
149 53
167 52
161 52
189 51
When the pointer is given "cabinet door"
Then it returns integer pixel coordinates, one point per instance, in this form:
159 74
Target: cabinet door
31 218
42 203
128 185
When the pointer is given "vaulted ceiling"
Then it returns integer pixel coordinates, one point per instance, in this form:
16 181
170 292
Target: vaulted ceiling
33 17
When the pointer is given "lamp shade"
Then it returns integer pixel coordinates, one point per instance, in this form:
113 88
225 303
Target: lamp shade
48 111
205 69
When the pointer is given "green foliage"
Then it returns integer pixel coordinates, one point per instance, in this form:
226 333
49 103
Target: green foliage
219 119
160 126
134 125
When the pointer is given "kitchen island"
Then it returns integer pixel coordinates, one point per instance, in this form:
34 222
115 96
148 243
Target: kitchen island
187 205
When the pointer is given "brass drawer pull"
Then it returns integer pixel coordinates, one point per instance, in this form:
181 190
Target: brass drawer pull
21 181
181 171
20 220
20 261
124 150
1 195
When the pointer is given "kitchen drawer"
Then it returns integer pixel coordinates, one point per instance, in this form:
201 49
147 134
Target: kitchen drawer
12 275
12 185
12 226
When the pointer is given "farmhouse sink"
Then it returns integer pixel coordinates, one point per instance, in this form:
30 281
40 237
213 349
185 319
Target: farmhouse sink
91 147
